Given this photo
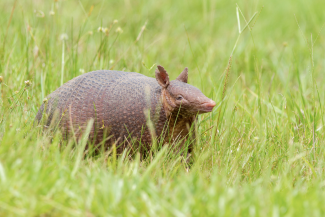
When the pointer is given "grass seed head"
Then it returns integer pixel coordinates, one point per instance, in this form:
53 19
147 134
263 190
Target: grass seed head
27 83
35 51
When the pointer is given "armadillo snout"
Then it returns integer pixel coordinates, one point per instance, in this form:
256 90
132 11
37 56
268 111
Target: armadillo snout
207 106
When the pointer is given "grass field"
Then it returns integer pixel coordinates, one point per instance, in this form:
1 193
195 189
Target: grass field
260 152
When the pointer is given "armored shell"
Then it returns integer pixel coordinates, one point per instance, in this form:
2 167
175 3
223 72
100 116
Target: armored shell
128 108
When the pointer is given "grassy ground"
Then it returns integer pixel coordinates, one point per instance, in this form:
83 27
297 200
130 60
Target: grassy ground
267 157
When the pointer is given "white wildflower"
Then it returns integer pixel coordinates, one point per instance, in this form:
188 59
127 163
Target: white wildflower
119 30
27 83
64 37
105 30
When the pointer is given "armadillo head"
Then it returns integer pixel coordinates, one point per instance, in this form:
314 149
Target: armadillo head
180 97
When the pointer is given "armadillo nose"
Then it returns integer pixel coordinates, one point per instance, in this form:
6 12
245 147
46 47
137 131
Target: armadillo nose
212 103
208 106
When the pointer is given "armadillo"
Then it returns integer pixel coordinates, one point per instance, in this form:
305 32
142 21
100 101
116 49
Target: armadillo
128 108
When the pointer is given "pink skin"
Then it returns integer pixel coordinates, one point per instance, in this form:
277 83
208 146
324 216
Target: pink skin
207 106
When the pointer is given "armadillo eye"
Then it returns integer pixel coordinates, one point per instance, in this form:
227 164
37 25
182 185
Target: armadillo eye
179 97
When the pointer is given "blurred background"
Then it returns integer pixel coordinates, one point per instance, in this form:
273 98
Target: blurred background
196 34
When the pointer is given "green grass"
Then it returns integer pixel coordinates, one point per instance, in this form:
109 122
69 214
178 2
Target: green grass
267 157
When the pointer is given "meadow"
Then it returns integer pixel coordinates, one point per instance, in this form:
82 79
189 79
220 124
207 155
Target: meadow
259 153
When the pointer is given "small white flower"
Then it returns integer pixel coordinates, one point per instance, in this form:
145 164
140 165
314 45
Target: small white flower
52 12
100 29
82 71
64 37
90 32
115 21
119 30
45 100
27 83
111 62
105 30
256 138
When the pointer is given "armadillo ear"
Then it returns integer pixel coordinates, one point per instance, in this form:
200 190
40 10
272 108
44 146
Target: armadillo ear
183 76
162 77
